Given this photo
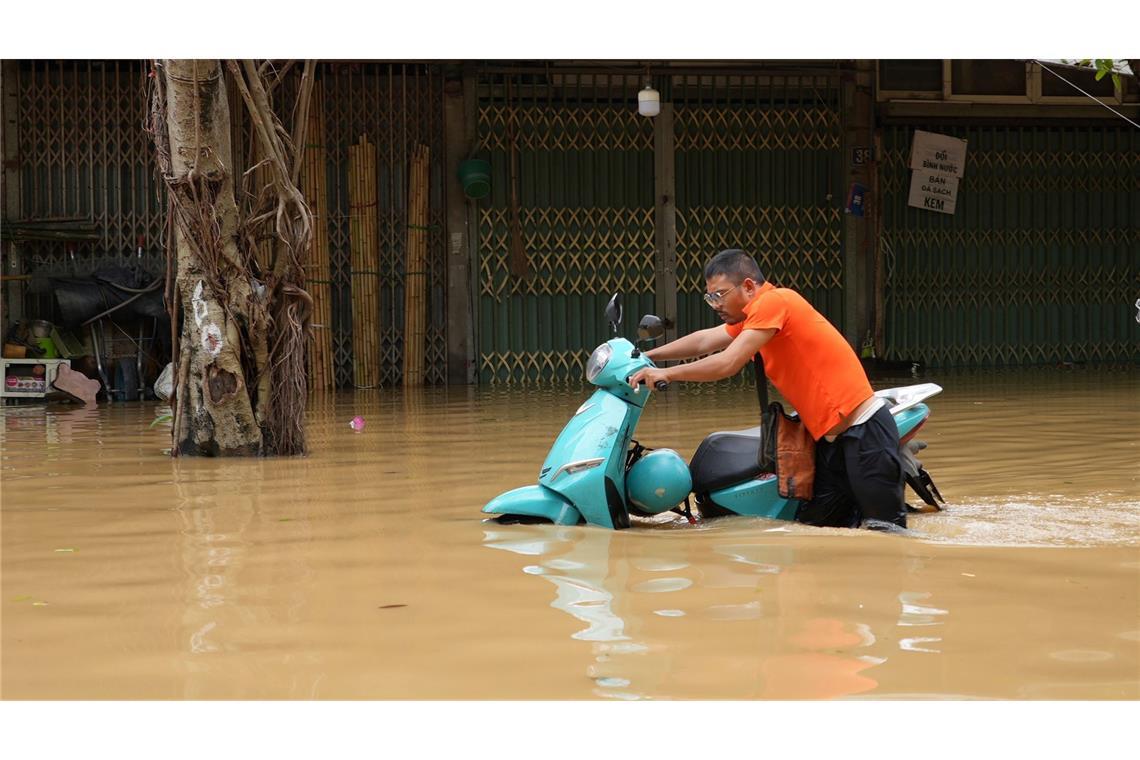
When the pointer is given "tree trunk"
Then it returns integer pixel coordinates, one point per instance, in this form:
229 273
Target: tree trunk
223 348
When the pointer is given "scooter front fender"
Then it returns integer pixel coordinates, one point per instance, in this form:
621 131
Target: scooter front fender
596 440
534 501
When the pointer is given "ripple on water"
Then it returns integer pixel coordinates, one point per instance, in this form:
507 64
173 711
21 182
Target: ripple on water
1082 655
257 578
662 585
1034 521
658 565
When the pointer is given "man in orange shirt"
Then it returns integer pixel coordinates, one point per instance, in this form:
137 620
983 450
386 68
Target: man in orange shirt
859 476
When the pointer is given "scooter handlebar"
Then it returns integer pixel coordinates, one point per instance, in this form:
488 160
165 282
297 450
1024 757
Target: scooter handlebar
661 385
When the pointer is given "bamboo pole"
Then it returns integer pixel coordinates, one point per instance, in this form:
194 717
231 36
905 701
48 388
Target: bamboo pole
415 269
365 263
314 185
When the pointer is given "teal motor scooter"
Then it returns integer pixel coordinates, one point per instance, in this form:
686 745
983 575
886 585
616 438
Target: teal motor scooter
596 472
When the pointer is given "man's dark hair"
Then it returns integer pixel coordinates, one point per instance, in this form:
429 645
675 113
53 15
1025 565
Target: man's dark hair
734 264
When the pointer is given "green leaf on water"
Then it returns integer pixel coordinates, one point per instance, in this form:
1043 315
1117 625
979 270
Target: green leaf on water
285 519
22 598
162 418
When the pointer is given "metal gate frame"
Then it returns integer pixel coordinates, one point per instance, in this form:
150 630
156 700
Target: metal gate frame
82 154
757 168
744 159
1038 264
585 185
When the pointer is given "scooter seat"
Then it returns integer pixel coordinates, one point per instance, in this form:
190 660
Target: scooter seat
726 458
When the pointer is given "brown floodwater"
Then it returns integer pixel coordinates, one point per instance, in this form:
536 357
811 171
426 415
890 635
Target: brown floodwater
365 570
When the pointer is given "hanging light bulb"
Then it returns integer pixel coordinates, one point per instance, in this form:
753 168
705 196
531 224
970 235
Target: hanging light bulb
649 101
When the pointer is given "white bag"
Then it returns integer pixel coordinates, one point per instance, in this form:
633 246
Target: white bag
164 385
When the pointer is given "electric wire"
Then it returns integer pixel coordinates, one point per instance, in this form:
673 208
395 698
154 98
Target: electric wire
1106 105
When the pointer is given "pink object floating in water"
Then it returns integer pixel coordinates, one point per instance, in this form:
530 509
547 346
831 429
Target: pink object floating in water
357 423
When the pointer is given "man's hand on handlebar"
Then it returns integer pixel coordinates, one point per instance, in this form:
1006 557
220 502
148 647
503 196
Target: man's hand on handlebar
654 377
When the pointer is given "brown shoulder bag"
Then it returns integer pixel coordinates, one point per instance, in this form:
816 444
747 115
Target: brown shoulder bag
786 447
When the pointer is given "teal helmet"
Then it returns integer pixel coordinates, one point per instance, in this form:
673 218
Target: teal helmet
658 481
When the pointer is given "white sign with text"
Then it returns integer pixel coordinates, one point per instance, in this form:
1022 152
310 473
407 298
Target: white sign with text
933 152
933 191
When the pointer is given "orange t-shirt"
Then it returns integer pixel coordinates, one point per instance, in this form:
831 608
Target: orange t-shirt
807 360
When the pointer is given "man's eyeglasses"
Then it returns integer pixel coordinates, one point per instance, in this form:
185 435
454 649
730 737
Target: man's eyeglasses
713 299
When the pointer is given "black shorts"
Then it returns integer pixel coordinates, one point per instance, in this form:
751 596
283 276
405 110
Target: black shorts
858 477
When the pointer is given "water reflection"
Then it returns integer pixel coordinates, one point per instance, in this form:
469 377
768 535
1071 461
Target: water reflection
361 570
577 562
55 427
915 614
755 607
227 524
214 515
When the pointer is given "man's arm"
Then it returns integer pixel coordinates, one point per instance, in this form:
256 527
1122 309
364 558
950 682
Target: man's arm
694 344
716 367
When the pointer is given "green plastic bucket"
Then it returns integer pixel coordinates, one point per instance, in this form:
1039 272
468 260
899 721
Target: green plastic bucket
475 176
48 347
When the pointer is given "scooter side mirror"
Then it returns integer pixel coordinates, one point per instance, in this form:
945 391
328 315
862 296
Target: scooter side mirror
613 311
651 327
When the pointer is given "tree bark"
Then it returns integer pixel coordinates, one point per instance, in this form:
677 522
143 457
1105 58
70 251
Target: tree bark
223 353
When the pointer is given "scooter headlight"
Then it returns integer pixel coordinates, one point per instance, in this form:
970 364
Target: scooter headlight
598 361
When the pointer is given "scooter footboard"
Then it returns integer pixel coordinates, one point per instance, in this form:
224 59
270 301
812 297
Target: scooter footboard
757 497
534 501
